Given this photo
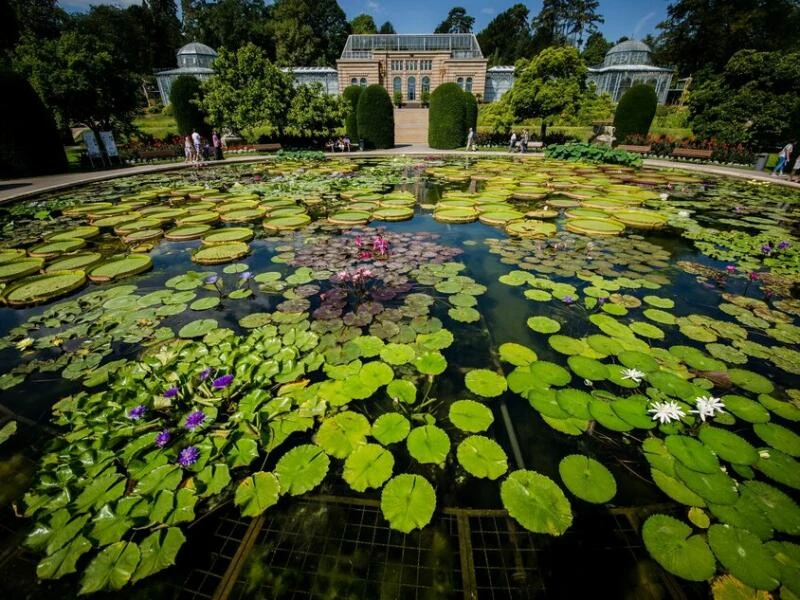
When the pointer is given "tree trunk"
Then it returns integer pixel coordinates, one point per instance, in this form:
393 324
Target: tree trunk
543 131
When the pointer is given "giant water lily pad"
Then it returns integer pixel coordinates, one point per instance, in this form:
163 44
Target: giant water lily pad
286 223
43 288
485 383
594 227
119 268
302 469
743 554
536 502
21 267
221 253
227 235
391 428
456 215
530 229
673 546
408 502
641 219
482 457
368 466
428 444
587 478
186 232
341 434
393 214
82 231
55 248
350 218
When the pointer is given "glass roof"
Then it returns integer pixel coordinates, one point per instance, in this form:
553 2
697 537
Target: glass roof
460 45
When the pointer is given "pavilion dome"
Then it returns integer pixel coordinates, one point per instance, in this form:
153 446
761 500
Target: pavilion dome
629 52
196 54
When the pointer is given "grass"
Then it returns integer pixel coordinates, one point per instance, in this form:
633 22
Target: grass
158 125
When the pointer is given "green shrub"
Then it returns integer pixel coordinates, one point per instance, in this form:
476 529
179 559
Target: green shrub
351 95
375 115
425 98
578 152
188 115
471 106
635 112
167 110
447 119
397 98
31 141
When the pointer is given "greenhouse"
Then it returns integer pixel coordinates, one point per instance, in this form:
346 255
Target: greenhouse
627 64
194 59
401 377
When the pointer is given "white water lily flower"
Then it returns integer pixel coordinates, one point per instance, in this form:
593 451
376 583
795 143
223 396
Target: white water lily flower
633 374
763 453
666 411
708 406
683 213
663 195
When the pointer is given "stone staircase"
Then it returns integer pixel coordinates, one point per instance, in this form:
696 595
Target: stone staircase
410 126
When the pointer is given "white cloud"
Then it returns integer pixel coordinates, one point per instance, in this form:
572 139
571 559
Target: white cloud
373 7
488 10
641 23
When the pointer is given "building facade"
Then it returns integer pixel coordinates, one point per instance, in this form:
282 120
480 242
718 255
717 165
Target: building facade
627 64
193 59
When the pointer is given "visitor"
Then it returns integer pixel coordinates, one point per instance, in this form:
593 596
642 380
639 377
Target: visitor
330 145
217 143
346 142
513 141
187 149
783 158
795 175
196 142
523 144
471 140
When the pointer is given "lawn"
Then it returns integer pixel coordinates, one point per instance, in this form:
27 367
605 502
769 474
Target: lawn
158 125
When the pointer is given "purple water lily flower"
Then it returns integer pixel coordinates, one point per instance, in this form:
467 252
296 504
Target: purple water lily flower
137 412
162 439
188 456
220 383
601 301
171 392
246 276
766 249
730 269
195 419
211 279
754 276
783 245
568 299
205 373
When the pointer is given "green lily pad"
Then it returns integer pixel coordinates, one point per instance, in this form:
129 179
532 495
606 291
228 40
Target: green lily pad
743 554
390 428
779 467
746 409
692 453
198 328
544 324
673 546
588 479
408 502
536 502
15 269
257 493
342 433
111 569
402 391
728 446
302 469
564 344
548 373
672 385
55 248
638 360
397 354
785 410
221 253
205 303
470 416
646 330
228 235
350 218
428 444
368 466
187 232
781 511
119 268
716 488
779 437
517 354
464 314
675 489
574 402
43 288
485 383
587 368
482 457
699 518
430 363
659 302
82 261
254 320
286 223
752 382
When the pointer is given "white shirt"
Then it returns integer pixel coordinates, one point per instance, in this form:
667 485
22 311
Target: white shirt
787 151
196 138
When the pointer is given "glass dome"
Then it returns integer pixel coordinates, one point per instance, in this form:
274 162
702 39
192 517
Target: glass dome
196 55
630 52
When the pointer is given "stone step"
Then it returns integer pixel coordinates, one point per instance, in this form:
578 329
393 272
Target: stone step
411 126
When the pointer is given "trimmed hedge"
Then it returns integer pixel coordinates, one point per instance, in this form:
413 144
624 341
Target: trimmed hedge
188 115
375 116
635 112
471 105
31 141
351 95
447 117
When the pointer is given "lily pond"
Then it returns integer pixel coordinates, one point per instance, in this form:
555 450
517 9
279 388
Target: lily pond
416 378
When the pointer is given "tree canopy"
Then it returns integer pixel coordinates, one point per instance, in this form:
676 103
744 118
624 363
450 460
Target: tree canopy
507 37
387 28
308 32
363 24
595 50
565 21
457 21
231 24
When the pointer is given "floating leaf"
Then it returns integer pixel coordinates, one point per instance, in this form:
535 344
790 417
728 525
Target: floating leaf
198 328
692 453
430 363
746 409
257 493
517 354
342 433
485 383
158 552
715 488
390 428
111 569
743 554
699 518
673 546
428 444
402 391
781 511
302 469
482 457
752 382
368 466
536 502
408 502
779 467
779 437
588 479
728 446
587 368
397 354
470 416
544 324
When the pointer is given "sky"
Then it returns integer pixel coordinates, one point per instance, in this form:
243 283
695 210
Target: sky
631 18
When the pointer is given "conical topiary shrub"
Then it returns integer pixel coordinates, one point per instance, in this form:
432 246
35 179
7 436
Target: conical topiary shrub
471 106
635 112
447 117
375 116
351 95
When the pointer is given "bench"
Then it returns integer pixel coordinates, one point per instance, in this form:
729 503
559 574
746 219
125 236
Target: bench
691 153
634 149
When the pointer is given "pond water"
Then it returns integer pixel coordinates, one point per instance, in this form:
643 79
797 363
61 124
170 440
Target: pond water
382 358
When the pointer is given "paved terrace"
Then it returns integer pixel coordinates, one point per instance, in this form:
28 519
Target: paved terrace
17 189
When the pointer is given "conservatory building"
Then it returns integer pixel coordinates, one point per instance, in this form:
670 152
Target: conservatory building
627 64
194 59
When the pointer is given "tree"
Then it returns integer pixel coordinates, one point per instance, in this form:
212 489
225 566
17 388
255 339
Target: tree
387 28
507 37
457 21
363 24
123 32
231 24
582 18
594 53
42 19
247 91
753 101
313 111
565 21
165 31
635 112
351 95
309 32
547 85
79 80
375 115
702 35
184 96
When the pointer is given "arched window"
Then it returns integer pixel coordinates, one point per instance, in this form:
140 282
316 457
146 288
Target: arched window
426 84
397 85
354 81
412 89
460 82
469 84
363 82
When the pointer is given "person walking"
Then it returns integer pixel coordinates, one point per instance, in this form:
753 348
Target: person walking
217 143
795 174
187 149
783 158
471 140
523 144
196 142
513 141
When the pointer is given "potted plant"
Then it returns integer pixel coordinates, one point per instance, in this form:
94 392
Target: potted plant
397 98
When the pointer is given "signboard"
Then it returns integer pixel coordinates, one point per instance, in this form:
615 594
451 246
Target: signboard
107 137
92 147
